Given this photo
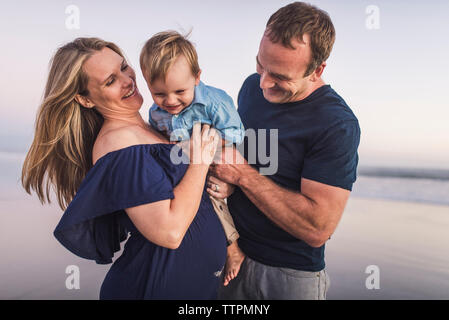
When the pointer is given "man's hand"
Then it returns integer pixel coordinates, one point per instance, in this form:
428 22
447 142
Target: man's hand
230 167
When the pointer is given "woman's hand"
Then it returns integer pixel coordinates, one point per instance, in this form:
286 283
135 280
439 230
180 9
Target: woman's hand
203 144
219 189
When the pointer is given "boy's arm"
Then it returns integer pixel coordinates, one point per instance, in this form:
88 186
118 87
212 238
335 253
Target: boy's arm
226 120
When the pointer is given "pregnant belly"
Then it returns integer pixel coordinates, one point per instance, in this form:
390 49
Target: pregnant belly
193 270
205 238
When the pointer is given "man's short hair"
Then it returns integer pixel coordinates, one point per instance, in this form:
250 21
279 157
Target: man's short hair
299 18
161 50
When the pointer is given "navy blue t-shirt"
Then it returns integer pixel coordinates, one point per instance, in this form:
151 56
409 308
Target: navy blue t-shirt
318 139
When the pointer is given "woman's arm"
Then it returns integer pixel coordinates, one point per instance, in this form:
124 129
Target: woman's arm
166 222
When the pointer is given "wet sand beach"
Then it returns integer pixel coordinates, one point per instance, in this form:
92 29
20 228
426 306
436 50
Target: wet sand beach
409 242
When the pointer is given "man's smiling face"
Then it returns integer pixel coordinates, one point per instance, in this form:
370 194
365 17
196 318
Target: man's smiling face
282 70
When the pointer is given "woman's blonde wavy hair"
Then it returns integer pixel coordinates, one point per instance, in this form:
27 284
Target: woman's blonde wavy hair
61 153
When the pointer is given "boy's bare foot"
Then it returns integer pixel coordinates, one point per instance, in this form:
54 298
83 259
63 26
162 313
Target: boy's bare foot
234 260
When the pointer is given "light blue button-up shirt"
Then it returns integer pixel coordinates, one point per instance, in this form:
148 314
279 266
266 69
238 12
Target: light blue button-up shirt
210 105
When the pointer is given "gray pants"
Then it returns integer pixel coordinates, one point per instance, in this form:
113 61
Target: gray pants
257 281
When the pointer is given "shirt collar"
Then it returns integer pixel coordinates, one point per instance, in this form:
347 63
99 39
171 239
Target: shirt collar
200 95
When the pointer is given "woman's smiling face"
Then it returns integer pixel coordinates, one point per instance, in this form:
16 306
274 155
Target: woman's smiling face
112 85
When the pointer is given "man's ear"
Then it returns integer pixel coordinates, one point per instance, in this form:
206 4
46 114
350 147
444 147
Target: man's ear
197 79
318 72
84 101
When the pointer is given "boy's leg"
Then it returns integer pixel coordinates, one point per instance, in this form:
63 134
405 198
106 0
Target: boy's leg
243 287
234 260
235 256
221 208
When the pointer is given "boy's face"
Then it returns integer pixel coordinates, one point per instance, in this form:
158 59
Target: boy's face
178 90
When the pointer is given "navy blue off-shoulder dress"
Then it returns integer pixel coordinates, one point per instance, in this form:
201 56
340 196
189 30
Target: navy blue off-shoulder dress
95 223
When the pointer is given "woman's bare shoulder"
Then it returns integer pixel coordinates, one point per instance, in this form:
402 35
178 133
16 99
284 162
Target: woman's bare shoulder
116 139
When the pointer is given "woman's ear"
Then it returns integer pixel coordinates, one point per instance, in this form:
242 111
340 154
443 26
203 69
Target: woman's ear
84 101
197 79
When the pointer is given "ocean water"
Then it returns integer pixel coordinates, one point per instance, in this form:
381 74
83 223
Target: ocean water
413 185
424 190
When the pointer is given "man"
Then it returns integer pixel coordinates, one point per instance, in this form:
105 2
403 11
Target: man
285 219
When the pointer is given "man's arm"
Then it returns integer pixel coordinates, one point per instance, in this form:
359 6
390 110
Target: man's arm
311 215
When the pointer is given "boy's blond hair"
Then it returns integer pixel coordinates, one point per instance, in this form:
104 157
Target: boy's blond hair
161 50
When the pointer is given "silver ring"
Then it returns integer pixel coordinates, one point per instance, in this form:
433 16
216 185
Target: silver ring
217 188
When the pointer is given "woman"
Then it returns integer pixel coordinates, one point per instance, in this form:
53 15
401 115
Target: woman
115 172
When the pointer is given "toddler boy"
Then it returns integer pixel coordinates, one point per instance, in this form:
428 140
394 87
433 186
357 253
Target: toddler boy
169 64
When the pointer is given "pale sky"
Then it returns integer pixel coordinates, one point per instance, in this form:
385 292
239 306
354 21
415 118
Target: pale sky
394 78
